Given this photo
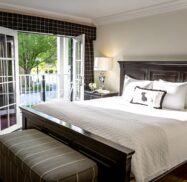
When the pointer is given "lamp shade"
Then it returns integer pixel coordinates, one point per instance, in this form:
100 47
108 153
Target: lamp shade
102 64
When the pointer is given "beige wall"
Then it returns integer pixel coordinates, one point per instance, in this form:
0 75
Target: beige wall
161 37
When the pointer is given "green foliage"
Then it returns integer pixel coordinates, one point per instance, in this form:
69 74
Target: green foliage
35 49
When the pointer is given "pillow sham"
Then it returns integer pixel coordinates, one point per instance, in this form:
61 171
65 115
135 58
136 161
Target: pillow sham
176 94
130 84
148 97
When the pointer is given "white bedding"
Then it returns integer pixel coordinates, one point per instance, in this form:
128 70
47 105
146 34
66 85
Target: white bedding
157 136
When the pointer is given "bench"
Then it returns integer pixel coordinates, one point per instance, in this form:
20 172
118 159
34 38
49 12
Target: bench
32 156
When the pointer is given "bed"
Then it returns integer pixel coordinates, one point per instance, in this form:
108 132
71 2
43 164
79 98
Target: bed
110 149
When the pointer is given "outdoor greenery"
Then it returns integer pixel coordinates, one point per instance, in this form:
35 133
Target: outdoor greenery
37 52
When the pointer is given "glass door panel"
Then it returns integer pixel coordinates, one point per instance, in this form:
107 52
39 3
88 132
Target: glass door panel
12 115
71 67
2 46
10 46
8 61
78 67
66 68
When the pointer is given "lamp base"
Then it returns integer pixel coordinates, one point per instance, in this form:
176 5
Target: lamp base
101 80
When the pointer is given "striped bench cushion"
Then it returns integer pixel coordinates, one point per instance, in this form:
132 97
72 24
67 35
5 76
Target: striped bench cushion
31 155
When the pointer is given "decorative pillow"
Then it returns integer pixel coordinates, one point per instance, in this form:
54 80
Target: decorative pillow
148 97
176 94
130 84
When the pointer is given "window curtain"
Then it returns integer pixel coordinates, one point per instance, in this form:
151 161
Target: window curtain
89 62
44 25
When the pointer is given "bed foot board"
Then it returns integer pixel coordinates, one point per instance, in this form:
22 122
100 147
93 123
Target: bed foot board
113 160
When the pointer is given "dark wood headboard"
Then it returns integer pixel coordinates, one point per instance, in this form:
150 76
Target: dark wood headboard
174 71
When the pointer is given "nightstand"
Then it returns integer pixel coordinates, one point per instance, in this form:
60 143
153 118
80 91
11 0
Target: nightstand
88 95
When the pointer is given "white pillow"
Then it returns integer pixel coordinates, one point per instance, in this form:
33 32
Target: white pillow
130 84
148 97
176 93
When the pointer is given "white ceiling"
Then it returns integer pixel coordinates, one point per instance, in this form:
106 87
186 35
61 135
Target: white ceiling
93 11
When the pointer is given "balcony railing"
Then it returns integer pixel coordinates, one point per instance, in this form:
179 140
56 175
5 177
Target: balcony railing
35 88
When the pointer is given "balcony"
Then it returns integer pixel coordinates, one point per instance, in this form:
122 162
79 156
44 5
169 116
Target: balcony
35 88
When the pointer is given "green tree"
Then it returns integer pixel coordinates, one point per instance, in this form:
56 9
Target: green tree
35 49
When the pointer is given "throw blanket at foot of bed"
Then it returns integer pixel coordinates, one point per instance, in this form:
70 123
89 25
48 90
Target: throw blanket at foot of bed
32 156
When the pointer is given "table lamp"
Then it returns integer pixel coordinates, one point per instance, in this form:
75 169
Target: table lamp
102 64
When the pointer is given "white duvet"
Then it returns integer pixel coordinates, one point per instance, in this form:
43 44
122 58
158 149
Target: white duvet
157 136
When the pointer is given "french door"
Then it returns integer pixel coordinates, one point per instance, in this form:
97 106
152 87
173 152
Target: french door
71 55
78 67
8 81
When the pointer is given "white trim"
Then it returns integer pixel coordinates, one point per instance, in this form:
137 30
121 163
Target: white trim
67 68
81 39
19 123
82 65
172 5
74 72
44 13
13 33
10 129
143 12
59 67
7 31
9 59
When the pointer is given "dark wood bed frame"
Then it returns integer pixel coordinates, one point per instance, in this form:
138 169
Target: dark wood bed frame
114 160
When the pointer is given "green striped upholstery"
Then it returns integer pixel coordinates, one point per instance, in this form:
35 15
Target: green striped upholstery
32 156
